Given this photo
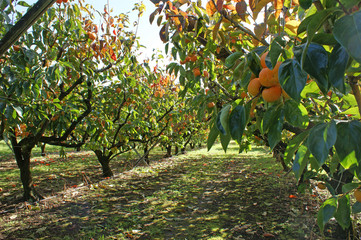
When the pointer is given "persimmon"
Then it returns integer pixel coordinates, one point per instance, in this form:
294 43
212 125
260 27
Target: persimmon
321 185
263 59
267 78
243 95
196 72
16 48
118 90
205 73
59 1
194 58
65 1
272 94
357 195
92 35
211 105
254 87
276 68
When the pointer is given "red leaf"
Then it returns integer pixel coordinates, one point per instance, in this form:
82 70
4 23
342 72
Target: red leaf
114 57
241 8
292 196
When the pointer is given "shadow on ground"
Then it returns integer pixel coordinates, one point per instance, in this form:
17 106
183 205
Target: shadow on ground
196 196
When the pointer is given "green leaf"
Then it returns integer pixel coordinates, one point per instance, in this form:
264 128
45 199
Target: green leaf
305 4
237 123
219 124
270 117
326 212
316 22
348 143
276 50
231 59
322 137
353 111
275 131
293 146
349 187
300 161
343 212
310 89
347 32
303 25
296 114
224 115
253 63
337 66
356 208
273 123
315 63
225 139
212 136
292 78
324 39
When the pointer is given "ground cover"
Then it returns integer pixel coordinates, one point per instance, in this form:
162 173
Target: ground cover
199 195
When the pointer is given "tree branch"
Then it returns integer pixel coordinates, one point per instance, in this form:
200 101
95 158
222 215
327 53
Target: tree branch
24 24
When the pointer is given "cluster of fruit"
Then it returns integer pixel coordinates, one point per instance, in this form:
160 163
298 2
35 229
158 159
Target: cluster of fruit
267 82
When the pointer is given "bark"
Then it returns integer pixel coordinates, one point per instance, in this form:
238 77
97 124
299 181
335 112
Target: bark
169 151
22 156
183 150
104 161
176 150
146 156
192 145
42 146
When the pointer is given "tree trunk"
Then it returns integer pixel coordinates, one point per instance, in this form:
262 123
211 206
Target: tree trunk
183 150
169 151
176 150
192 145
42 147
104 161
146 155
22 156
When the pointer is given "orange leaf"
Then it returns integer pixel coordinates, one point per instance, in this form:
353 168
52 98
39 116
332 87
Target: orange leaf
229 7
252 4
292 196
210 8
278 5
258 7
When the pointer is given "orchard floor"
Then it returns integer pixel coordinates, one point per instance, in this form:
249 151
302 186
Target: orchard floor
198 195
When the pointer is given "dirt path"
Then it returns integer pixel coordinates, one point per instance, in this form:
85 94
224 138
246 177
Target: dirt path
199 195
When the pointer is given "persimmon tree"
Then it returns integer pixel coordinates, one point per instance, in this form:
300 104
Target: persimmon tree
47 80
284 72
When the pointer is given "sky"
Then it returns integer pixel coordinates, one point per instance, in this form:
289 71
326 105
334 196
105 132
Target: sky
148 33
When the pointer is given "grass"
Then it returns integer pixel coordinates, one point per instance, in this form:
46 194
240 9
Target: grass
199 195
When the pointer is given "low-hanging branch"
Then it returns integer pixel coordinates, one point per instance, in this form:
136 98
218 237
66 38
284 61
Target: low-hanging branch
24 24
